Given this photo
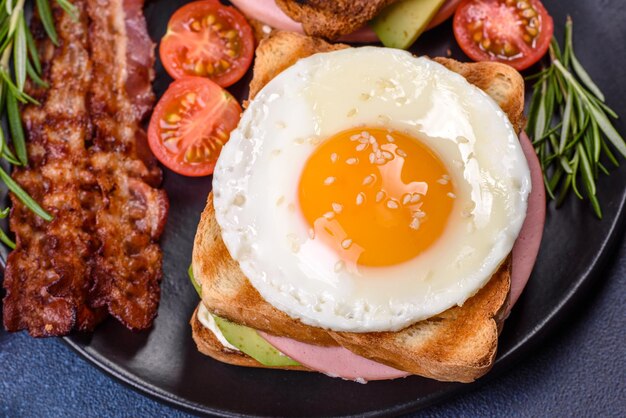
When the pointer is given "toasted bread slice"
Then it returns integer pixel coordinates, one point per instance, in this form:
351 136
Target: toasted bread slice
226 291
280 51
456 345
209 345
331 19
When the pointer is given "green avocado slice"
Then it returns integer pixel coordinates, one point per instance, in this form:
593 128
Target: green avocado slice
401 23
250 342
195 284
246 339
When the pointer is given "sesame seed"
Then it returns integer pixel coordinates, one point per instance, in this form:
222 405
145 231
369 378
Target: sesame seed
360 198
363 140
346 243
387 155
365 134
352 112
384 118
355 137
401 153
280 200
361 147
334 157
365 97
445 177
406 199
329 181
311 233
372 158
339 265
419 214
380 161
442 181
415 198
392 204
415 224
352 161
276 152
390 138
372 140
451 195
337 207
380 196
314 140
329 215
281 125
299 141
368 180
291 207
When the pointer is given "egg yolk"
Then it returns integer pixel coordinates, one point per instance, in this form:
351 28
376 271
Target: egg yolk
377 197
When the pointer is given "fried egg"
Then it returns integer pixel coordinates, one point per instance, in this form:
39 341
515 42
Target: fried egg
366 189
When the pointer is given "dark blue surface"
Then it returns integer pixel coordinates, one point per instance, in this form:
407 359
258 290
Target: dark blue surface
579 371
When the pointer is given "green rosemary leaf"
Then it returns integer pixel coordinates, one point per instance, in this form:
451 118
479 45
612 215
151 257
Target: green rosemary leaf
6 240
603 169
567 48
23 196
605 126
609 154
32 51
20 53
567 117
69 8
17 131
575 163
45 14
565 188
585 78
32 73
586 171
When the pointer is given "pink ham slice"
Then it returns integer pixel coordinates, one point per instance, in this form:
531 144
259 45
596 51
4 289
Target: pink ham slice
343 363
268 12
333 361
527 245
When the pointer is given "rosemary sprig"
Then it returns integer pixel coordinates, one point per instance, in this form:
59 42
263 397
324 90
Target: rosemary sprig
19 62
571 126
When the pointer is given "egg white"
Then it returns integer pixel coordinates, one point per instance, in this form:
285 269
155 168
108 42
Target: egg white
255 187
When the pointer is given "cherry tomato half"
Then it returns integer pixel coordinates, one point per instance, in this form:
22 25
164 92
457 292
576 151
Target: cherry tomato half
205 38
190 125
516 32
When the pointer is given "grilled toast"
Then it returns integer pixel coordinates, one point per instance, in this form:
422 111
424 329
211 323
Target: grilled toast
456 345
331 19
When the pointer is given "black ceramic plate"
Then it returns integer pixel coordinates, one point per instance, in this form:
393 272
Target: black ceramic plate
164 363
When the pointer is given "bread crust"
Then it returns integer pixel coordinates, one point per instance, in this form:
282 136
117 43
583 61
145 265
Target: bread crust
459 344
226 292
209 345
332 19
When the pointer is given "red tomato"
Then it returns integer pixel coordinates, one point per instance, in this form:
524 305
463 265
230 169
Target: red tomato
516 32
190 125
207 39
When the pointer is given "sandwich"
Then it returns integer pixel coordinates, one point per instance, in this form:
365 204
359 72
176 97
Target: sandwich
395 23
366 215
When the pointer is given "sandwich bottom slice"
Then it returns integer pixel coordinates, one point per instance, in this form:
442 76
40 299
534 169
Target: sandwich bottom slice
458 344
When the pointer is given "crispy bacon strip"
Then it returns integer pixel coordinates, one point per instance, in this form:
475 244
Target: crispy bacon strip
128 268
90 168
47 276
